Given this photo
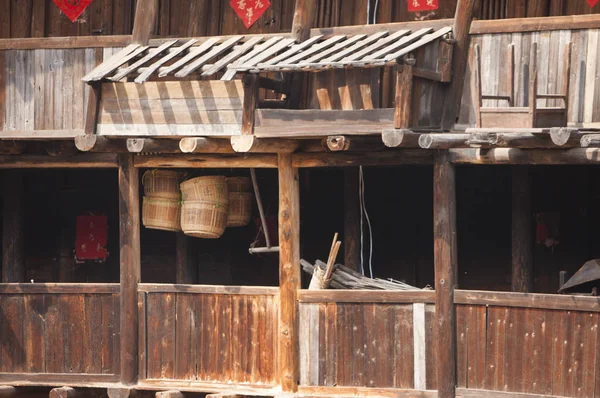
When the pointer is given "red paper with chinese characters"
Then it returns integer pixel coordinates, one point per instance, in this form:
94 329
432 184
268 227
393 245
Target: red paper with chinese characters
72 8
250 10
592 3
422 5
91 237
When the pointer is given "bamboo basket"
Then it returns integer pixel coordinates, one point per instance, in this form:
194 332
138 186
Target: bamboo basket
162 184
205 189
159 213
240 209
239 184
204 219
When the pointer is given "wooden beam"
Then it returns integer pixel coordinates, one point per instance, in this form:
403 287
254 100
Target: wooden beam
342 143
304 18
443 140
525 156
445 262
13 261
351 219
236 161
150 145
251 97
186 268
251 144
404 86
511 140
93 108
460 30
105 160
169 394
566 137
98 143
146 13
522 231
346 159
289 273
590 141
51 43
400 138
205 145
68 392
61 148
522 25
9 147
130 260
128 393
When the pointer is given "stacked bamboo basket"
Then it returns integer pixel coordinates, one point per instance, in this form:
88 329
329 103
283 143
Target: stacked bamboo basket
161 203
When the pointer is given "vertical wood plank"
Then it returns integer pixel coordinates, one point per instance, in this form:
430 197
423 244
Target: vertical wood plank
146 13
419 346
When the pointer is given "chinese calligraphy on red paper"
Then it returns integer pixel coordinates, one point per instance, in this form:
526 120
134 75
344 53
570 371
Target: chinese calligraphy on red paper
91 238
422 5
592 3
72 8
250 10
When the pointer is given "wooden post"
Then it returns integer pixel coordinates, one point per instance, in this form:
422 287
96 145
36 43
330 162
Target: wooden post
251 96
289 273
13 263
351 219
462 25
304 18
404 84
129 229
445 260
186 267
522 231
146 13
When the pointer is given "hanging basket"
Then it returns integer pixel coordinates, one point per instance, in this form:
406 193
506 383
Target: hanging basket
162 184
205 189
163 214
204 219
240 209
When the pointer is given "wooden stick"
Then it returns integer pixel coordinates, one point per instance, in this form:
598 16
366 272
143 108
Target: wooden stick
331 261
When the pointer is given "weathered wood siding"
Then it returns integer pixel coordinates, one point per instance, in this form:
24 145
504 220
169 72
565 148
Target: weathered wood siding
209 337
172 108
74 333
584 93
42 91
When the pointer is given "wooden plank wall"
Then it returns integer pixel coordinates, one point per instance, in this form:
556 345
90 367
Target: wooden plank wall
584 95
209 337
366 345
528 350
172 108
42 89
59 333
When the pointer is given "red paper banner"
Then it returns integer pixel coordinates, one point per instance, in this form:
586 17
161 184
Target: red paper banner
72 8
250 10
423 5
592 3
91 237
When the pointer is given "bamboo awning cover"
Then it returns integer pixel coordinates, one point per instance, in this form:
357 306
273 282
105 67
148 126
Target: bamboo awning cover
257 54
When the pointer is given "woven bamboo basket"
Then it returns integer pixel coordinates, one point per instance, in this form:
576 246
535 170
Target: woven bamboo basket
162 184
204 219
163 214
240 209
205 189
239 184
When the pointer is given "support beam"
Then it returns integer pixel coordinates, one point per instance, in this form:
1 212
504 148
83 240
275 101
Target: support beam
304 18
61 148
400 138
186 268
343 143
23 392
9 147
462 24
351 219
443 140
205 145
146 13
289 273
13 263
403 108
251 97
526 156
524 140
251 144
97 143
68 392
445 261
128 393
93 108
130 259
150 145
590 141
169 394
522 231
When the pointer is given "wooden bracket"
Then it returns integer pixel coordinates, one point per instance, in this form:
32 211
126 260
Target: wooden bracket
404 86
251 94
93 108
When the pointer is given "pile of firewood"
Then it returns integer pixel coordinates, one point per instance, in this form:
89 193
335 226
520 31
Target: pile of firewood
345 278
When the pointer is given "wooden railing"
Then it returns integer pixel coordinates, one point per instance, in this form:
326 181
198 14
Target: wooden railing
208 334
59 333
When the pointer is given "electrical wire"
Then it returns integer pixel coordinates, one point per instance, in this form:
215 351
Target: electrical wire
366 213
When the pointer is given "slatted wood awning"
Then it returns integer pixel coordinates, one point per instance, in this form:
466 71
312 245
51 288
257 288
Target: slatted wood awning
256 54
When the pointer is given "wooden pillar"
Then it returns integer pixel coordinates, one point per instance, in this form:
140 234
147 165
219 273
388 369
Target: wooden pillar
13 262
445 260
289 273
404 86
522 230
462 25
186 268
304 18
146 13
351 219
129 230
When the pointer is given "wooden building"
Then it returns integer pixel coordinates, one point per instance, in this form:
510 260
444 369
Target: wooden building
469 135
